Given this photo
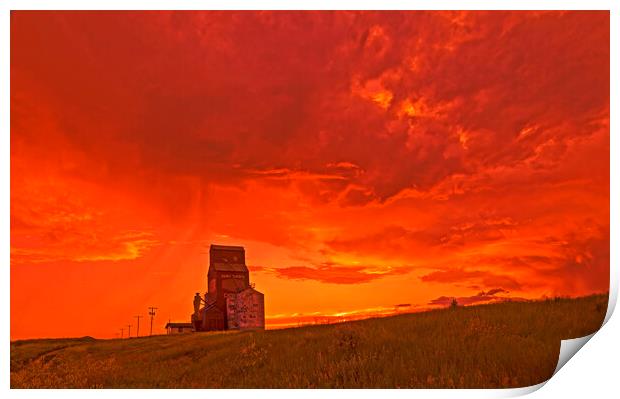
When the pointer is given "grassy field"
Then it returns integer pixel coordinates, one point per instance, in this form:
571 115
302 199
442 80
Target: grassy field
510 344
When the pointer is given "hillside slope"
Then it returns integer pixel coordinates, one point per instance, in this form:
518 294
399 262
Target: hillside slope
501 345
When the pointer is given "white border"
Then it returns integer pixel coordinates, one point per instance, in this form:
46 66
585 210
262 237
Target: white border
570 382
309 5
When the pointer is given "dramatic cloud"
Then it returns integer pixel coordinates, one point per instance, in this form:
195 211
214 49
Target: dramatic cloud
444 235
435 93
69 224
335 274
473 277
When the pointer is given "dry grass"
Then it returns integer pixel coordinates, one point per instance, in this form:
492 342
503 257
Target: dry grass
489 346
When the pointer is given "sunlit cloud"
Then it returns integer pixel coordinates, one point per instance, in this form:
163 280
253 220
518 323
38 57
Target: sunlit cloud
334 273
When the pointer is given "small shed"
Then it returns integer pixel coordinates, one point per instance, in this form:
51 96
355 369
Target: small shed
179 328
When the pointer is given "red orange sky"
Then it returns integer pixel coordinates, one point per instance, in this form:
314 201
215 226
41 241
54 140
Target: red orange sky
364 160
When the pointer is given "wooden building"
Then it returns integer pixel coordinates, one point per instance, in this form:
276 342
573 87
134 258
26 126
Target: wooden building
230 302
179 328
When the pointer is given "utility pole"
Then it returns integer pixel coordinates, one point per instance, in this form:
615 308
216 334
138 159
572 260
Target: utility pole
122 329
129 333
138 327
152 314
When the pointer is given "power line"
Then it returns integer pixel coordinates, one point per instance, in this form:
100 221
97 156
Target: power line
129 332
152 314
138 327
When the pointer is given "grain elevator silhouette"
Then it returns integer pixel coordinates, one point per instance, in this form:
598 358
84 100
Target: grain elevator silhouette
231 302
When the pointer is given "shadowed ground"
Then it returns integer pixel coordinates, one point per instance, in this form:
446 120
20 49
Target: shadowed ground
511 344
